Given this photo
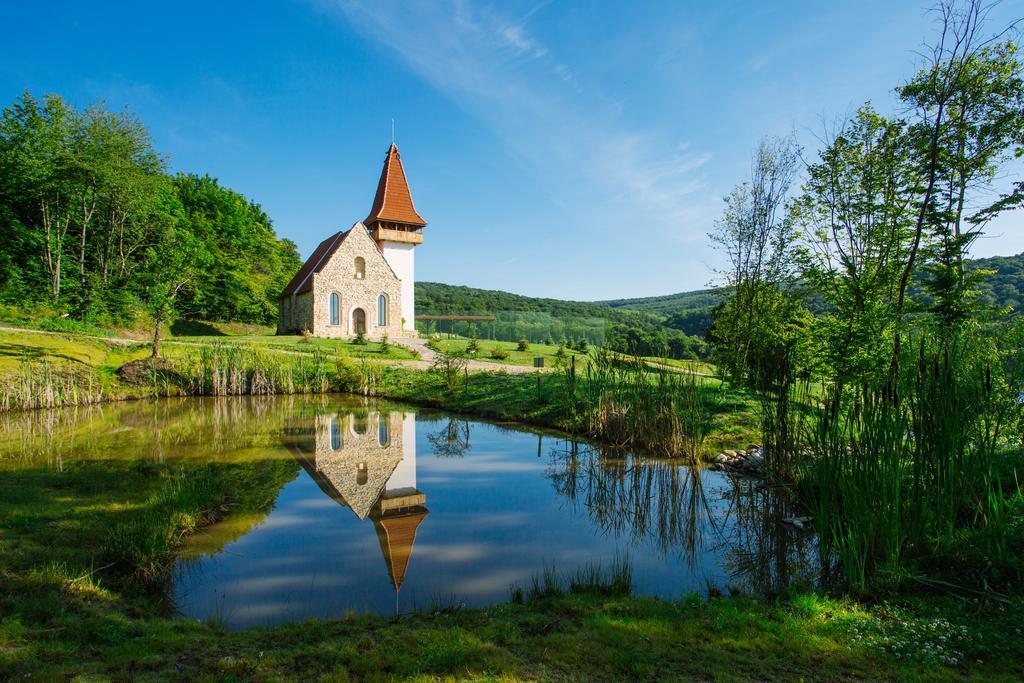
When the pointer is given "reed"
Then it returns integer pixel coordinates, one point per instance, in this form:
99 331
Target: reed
234 370
906 473
593 578
626 403
45 385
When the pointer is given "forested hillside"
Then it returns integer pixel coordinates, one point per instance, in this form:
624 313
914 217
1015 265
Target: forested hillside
686 312
97 230
637 332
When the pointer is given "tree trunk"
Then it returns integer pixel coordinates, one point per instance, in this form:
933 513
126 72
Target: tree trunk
156 338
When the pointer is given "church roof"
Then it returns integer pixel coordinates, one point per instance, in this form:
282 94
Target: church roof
393 202
303 280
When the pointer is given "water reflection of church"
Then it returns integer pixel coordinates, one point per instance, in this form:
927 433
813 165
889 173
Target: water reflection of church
367 462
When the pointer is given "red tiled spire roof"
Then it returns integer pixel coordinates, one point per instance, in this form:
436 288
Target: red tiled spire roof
393 202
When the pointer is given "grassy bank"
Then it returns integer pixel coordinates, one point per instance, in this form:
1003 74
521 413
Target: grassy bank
51 369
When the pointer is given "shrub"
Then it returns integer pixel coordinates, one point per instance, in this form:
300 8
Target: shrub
498 353
451 366
385 346
360 338
473 346
549 341
524 345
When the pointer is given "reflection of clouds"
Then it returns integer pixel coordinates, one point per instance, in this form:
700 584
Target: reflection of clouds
315 504
501 518
480 464
281 520
489 584
288 581
453 552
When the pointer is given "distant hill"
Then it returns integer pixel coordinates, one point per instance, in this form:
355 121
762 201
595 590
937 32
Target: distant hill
666 317
631 331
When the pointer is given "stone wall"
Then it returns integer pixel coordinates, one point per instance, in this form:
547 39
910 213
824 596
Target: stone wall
295 314
338 275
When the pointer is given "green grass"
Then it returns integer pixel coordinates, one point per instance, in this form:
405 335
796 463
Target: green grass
297 344
515 356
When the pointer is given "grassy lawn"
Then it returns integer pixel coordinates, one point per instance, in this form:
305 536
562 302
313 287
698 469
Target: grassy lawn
515 356
298 344
72 605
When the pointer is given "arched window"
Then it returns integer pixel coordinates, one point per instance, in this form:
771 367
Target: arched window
382 432
360 267
382 311
335 309
335 434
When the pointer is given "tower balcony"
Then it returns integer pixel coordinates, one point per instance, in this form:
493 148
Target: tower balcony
380 234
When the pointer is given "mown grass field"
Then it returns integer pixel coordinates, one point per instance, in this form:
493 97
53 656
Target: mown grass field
515 356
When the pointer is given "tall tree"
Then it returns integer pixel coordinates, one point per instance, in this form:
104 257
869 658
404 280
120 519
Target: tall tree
757 236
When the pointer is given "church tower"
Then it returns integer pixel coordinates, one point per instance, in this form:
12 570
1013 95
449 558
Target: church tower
396 227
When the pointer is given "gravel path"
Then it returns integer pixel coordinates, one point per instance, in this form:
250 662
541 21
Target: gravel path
427 356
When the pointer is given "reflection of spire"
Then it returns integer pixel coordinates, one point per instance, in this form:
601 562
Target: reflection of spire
368 464
396 532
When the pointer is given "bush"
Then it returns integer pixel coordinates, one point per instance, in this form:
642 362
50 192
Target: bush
360 338
524 345
473 346
498 353
385 346
549 341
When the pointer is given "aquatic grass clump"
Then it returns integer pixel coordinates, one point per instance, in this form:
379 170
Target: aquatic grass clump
905 475
234 370
592 578
627 403
144 546
45 385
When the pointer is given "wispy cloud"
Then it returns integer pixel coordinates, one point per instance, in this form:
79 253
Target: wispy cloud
558 125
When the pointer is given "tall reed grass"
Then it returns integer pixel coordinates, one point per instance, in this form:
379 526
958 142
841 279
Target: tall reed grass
233 370
907 473
627 403
44 385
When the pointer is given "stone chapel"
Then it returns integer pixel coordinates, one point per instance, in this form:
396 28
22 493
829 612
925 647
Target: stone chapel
361 279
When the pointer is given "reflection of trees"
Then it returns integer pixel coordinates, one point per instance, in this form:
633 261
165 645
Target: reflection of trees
452 440
637 497
645 499
762 554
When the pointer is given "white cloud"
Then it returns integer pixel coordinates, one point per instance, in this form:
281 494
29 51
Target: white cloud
573 138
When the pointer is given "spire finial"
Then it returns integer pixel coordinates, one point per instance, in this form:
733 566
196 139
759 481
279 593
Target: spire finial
392 132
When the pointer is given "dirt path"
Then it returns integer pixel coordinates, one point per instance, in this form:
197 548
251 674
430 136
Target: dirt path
428 355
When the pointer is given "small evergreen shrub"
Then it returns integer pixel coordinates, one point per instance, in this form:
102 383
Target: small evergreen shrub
473 346
524 345
498 353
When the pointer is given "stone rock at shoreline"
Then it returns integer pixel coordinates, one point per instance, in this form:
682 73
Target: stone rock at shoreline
721 458
798 523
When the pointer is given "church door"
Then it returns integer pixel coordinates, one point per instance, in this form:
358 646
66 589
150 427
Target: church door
359 321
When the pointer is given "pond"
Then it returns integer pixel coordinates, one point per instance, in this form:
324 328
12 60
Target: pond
376 507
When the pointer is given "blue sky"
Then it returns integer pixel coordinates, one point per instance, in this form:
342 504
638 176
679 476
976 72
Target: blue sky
566 149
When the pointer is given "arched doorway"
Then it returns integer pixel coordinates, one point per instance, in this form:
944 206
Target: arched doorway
359 321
